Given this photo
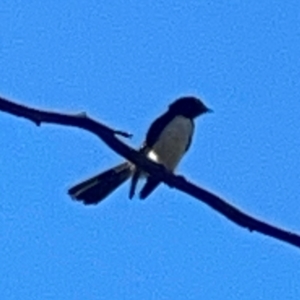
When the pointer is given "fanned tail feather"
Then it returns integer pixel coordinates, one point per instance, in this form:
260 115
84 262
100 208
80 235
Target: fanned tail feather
95 189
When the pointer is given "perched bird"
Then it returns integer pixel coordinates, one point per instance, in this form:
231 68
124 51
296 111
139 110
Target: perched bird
168 138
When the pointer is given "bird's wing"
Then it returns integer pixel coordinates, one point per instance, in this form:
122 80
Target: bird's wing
156 128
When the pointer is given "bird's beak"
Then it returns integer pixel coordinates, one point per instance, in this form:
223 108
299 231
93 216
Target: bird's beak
209 110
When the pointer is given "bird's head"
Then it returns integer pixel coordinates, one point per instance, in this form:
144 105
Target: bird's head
189 106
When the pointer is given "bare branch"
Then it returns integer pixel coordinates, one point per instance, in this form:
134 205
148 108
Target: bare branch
108 136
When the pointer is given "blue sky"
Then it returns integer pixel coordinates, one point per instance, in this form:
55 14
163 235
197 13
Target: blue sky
123 63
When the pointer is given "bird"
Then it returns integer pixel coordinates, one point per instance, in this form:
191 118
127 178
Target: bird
169 137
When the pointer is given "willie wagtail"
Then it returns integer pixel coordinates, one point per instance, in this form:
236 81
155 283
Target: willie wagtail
167 139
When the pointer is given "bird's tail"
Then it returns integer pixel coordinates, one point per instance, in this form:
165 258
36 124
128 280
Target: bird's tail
95 189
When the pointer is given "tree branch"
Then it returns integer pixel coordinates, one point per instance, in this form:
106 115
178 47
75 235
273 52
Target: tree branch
108 135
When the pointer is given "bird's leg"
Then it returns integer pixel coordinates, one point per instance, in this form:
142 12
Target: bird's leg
134 182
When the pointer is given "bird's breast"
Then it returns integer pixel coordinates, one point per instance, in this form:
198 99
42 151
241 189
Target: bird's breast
172 142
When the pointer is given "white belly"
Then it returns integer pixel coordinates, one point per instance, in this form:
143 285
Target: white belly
172 142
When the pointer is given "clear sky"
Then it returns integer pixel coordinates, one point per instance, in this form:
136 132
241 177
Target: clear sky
123 62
